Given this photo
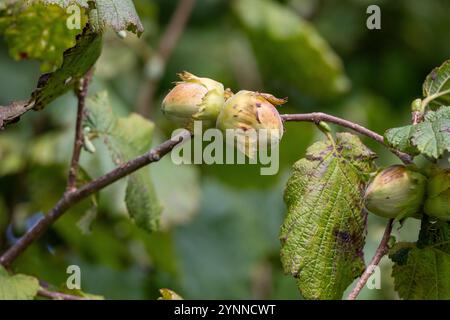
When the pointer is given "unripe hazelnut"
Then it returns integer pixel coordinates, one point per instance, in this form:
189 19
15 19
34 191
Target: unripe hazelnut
194 99
247 110
438 195
396 192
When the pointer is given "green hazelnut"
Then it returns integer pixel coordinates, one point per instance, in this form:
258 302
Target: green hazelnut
396 192
437 203
194 99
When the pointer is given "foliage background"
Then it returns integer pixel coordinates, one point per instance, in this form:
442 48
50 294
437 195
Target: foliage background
221 223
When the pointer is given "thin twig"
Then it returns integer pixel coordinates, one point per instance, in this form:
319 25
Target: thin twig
81 93
69 199
317 117
379 253
166 46
58 295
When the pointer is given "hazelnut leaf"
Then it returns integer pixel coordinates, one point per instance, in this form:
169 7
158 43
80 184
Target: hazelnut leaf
324 231
17 287
127 138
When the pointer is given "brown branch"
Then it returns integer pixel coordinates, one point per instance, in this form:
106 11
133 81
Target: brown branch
70 198
379 253
81 93
58 295
166 46
317 117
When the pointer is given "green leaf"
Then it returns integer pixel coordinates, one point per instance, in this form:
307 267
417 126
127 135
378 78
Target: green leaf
77 62
422 270
17 287
40 32
127 138
435 233
399 138
11 155
303 58
437 84
430 137
424 275
117 14
323 233
184 181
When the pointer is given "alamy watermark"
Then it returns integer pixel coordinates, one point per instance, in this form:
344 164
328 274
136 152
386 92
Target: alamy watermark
73 22
73 281
235 146
374 20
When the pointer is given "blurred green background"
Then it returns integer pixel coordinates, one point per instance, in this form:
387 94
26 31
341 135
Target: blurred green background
220 222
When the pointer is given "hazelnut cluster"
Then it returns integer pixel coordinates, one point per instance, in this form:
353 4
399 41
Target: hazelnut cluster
249 113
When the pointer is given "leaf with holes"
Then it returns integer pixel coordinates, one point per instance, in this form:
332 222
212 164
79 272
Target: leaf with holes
77 62
17 287
323 234
127 138
430 137
399 138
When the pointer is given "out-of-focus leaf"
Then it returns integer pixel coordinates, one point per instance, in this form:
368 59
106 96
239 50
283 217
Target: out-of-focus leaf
290 50
51 148
78 60
80 293
17 287
113 283
117 14
430 137
127 138
85 223
40 32
323 233
434 234
178 190
241 228
437 84
167 294
424 276
422 270
11 155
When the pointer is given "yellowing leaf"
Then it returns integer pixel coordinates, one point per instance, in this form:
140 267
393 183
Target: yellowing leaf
17 287
40 32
